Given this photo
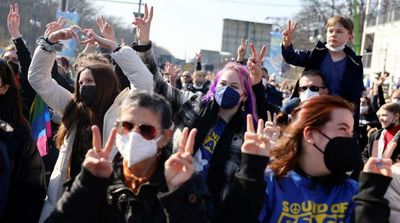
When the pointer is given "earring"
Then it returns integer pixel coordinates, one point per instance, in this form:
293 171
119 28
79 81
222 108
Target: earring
243 107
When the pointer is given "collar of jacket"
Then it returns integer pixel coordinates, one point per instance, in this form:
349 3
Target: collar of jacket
349 52
118 192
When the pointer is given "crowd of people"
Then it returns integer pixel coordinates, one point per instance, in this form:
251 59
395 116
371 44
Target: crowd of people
129 141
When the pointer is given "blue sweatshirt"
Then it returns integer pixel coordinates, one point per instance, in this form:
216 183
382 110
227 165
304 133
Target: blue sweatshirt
296 198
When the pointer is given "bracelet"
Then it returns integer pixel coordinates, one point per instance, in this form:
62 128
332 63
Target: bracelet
47 46
19 36
141 48
117 49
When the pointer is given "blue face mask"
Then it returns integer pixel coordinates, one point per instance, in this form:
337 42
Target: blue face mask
226 97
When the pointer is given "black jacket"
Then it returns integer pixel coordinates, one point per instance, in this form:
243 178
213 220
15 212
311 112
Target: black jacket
27 188
368 149
93 199
352 82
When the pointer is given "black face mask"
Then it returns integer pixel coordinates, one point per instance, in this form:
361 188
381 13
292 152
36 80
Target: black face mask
341 154
392 125
87 94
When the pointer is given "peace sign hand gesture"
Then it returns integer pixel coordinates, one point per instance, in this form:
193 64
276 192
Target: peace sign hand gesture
143 26
241 51
254 63
179 167
272 130
97 158
255 142
13 21
105 29
287 34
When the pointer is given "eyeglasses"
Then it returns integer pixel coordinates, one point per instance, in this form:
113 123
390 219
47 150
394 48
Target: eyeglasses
147 131
312 88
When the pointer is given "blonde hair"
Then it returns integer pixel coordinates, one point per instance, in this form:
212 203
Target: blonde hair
346 22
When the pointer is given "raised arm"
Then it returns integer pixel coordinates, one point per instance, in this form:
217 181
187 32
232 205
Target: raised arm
247 192
254 64
241 51
374 181
39 75
173 95
291 56
23 54
187 192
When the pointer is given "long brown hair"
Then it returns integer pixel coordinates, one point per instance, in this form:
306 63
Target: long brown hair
11 101
81 116
313 113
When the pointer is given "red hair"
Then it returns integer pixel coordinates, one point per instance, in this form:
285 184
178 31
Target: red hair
313 113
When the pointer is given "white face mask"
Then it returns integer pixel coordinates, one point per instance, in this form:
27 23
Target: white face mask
397 101
307 94
264 82
335 49
134 148
363 109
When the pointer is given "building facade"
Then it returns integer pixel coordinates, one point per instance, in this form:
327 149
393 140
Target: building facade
380 42
234 30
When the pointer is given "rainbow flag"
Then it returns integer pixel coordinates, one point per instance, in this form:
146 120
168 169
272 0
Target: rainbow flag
39 118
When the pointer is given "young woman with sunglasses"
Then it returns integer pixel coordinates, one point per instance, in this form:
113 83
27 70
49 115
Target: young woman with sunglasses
144 183
303 178
96 100
219 116
26 182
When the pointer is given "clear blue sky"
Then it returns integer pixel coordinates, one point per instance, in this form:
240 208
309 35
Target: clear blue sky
185 26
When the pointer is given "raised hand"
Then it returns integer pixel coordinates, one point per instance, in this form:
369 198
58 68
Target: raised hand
379 166
97 158
287 34
172 70
255 143
272 130
105 29
14 21
254 63
241 51
101 41
55 26
62 34
143 26
198 57
179 167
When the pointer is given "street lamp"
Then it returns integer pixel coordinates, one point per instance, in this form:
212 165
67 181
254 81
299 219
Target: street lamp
35 23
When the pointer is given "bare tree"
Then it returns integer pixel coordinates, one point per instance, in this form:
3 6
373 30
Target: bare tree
312 19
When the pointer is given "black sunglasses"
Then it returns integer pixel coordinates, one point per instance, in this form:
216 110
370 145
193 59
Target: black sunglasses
147 131
312 88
